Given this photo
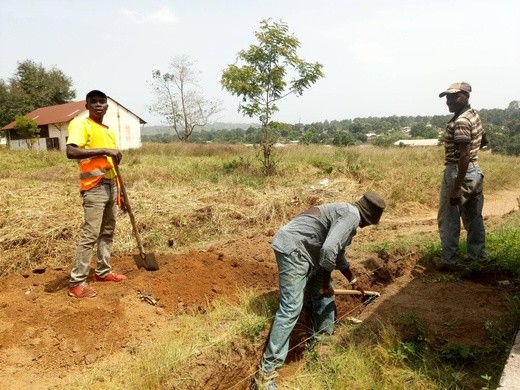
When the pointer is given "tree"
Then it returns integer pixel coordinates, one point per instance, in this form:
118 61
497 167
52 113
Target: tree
27 129
421 130
32 87
263 79
387 139
179 99
5 113
344 138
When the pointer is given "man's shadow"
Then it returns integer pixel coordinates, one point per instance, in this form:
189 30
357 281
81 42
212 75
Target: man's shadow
61 282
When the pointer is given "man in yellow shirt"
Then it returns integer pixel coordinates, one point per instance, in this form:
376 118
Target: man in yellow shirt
94 146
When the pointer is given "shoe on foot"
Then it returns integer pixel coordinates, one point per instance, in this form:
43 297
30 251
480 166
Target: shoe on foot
111 277
264 380
449 267
82 290
486 261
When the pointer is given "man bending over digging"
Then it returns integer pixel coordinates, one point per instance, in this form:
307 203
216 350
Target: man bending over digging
307 250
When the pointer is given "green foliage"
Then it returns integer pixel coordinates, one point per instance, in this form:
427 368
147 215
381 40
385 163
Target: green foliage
387 140
501 125
461 354
487 379
235 164
27 129
251 327
345 139
413 327
31 87
504 246
503 128
154 237
262 80
402 351
421 130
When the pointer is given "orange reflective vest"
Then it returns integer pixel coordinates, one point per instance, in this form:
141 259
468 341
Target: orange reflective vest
91 172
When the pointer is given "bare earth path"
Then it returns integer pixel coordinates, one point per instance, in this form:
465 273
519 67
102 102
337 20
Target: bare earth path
45 335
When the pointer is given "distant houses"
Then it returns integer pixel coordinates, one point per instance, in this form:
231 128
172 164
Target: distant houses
53 122
417 142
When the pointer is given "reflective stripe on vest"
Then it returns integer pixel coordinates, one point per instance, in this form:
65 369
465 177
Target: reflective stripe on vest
91 172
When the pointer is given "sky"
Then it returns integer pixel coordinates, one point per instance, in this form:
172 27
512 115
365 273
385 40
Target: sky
380 58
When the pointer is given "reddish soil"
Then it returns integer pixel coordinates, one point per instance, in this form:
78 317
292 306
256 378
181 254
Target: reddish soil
45 335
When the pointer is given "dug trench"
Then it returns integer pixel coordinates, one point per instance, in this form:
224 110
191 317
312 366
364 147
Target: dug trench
45 335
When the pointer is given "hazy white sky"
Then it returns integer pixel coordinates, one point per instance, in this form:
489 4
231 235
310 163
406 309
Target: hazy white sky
380 57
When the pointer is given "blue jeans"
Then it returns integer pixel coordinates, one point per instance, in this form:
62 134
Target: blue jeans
293 279
100 208
449 216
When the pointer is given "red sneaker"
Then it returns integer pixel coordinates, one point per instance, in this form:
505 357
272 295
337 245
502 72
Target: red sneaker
111 277
82 290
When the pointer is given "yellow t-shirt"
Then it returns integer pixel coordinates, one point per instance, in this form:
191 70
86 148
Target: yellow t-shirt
87 134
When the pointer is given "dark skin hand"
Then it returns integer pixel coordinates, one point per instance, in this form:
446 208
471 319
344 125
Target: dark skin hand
464 151
328 291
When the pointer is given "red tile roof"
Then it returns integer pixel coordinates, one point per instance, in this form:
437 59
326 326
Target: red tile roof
62 113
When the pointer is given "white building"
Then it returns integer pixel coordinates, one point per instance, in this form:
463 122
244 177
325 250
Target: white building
53 122
417 142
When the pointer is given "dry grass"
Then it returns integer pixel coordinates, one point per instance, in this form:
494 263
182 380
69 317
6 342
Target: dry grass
201 194
184 358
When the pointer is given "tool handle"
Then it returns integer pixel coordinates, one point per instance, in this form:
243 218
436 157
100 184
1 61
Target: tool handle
129 210
354 292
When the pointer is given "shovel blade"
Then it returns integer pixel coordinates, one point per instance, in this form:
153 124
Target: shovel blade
146 261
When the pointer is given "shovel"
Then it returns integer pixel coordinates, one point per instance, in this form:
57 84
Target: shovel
142 260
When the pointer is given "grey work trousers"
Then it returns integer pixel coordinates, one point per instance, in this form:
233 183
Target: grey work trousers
100 208
470 211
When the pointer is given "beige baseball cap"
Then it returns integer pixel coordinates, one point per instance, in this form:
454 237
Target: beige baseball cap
457 87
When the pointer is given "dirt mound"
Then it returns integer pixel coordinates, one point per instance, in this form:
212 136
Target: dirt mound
45 335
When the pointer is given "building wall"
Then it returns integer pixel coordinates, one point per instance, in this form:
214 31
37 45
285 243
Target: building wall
39 144
56 130
59 130
125 124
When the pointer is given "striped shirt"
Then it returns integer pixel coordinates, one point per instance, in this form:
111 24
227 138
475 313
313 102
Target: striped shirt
465 127
321 240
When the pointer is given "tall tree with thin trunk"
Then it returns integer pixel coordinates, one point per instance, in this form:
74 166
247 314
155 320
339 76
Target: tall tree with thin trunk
271 70
180 100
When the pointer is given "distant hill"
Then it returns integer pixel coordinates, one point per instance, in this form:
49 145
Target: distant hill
154 130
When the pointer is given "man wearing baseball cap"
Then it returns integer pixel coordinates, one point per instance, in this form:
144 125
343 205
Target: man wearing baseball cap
462 183
94 146
307 250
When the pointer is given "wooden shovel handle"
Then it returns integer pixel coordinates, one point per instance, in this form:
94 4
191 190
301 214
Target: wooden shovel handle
130 212
354 292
